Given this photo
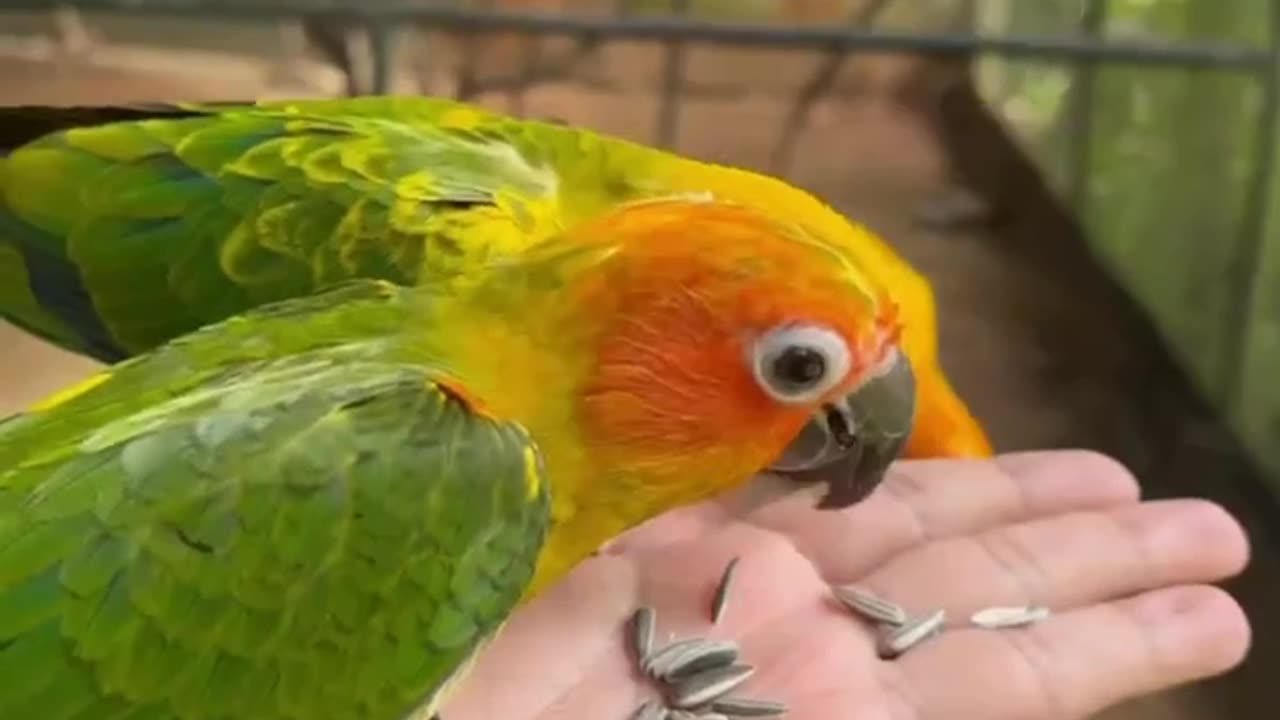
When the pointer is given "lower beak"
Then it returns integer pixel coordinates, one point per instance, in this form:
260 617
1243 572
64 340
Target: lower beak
849 444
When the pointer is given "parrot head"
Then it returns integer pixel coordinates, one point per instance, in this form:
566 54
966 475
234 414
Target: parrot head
729 343
944 425
673 349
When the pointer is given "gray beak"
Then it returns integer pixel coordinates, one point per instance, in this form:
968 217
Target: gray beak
849 444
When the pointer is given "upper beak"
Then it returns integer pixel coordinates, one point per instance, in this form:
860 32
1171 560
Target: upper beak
849 444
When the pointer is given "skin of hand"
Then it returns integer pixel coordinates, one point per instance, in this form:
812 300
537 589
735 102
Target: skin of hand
1127 582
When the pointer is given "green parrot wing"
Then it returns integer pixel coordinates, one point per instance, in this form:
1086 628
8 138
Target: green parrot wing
323 534
121 228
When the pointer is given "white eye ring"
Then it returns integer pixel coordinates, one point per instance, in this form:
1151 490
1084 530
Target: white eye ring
797 364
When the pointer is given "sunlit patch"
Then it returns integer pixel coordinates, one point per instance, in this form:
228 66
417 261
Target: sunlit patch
69 393
461 118
532 473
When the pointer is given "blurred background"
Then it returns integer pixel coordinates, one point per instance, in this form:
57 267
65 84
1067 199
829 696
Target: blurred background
1088 183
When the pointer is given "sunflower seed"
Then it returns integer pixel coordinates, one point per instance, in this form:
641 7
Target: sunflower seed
722 591
642 632
1009 617
660 662
912 633
871 606
712 654
682 715
650 710
747 708
712 716
709 685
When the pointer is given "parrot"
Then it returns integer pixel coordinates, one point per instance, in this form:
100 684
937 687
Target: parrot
124 227
326 506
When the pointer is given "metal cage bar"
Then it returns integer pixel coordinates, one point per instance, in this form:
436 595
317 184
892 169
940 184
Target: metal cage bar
670 29
673 76
1246 271
1080 115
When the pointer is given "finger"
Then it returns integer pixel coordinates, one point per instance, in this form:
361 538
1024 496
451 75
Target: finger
1077 663
1069 560
684 524
558 638
929 500
693 522
771 577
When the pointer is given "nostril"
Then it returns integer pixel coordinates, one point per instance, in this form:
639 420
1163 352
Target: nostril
839 426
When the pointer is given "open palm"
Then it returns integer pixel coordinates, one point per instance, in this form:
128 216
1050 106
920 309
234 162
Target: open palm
1062 529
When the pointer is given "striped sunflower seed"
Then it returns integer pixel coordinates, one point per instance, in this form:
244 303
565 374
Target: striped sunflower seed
642 624
747 708
712 654
993 618
915 631
721 598
870 606
709 685
650 710
660 662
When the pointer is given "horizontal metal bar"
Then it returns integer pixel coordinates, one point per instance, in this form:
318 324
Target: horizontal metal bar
1047 48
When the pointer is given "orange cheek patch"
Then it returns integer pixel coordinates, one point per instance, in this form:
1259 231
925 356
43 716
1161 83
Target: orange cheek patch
685 387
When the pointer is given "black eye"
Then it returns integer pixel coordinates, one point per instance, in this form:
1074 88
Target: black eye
799 366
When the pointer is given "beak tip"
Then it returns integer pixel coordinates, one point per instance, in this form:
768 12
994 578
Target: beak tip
849 491
831 501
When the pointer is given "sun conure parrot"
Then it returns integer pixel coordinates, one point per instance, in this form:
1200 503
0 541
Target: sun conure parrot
121 228
322 509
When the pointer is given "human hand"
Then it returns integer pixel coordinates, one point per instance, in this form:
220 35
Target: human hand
1124 579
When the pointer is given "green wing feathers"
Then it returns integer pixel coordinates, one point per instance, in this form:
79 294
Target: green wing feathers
134 231
299 538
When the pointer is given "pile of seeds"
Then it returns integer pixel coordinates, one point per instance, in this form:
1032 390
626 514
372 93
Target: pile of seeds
899 632
697 675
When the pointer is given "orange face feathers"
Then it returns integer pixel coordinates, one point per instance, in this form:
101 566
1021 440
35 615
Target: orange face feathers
691 303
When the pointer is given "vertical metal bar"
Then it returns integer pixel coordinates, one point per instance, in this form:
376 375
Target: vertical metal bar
422 54
527 74
1246 271
382 46
828 70
74 36
332 36
470 56
672 83
1080 114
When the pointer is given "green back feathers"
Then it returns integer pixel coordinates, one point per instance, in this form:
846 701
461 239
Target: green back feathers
273 518
134 232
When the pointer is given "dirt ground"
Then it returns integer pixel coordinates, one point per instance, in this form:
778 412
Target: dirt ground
1041 366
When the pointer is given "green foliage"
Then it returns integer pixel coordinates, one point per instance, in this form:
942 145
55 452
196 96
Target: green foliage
1170 159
